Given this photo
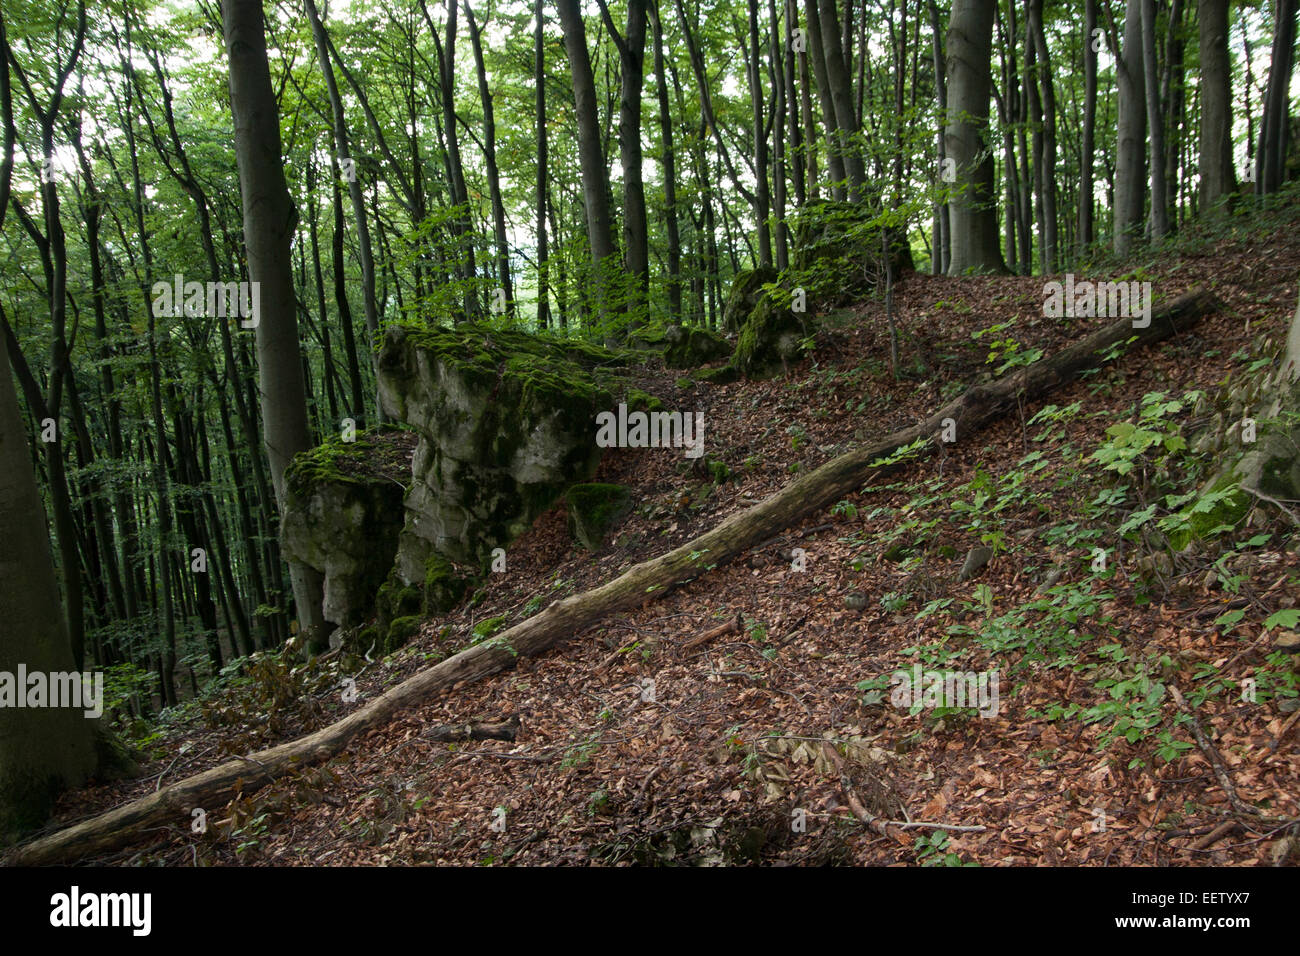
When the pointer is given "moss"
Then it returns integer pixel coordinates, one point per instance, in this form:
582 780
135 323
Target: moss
399 632
1228 511
746 288
770 339
722 375
333 461
691 348
718 471
639 401
594 508
488 626
444 586
396 600
686 382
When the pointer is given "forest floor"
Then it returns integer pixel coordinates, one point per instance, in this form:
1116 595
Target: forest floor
719 760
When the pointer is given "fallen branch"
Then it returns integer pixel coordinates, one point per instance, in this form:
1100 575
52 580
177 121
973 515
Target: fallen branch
1212 755
730 627
504 730
873 822
567 618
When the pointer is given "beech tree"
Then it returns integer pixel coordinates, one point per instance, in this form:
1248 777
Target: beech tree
269 221
971 210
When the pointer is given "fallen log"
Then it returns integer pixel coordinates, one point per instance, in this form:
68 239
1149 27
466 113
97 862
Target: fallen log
445 733
643 582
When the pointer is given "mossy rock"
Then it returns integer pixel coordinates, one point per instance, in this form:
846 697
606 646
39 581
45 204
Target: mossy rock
594 509
343 517
746 288
399 632
397 600
691 348
444 586
771 340
639 401
722 375
506 423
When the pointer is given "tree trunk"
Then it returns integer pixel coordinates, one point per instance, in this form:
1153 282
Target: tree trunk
1130 165
344 160
595 174
941 238
43 750
490 160
1155 124
1088 148
1047 178
269 220
1277 101
539 72
669 161
834 155
840 82
973 210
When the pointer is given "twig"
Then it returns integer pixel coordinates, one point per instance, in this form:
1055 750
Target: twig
870 820
1273 501
1212 754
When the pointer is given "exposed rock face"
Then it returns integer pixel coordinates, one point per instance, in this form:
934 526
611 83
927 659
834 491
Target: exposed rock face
505 423
344 515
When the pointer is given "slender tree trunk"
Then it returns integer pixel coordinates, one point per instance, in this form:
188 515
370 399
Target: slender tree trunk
1277 102
595 174
1047 178
1088 149
269 221
539 73
490 159
834 152
1155 123
344 161
840 82
669 162
1130 167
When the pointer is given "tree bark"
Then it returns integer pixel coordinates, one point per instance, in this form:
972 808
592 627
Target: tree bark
1277 101
591 156
269 221
973 210
1130 165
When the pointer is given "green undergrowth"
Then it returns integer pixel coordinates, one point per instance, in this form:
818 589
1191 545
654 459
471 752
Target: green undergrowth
1123 522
